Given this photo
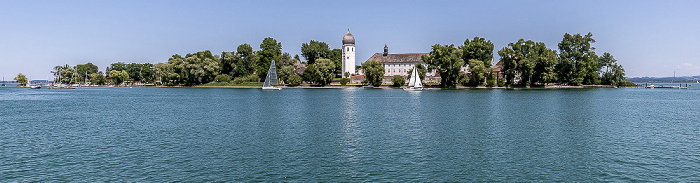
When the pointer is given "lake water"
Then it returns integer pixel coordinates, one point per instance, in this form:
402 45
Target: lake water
349 135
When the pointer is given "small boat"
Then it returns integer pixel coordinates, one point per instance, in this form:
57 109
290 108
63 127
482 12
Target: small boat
414 84
271 78
368 86
35 86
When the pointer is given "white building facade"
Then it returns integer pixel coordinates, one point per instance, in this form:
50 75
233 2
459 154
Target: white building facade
348 61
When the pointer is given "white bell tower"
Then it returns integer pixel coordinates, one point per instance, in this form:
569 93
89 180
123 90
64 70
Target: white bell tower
348 60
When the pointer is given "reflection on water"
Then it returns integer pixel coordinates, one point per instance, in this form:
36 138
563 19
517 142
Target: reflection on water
349 135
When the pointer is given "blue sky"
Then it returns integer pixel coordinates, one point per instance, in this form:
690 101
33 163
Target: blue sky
650 38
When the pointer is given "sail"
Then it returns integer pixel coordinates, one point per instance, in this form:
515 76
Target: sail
273 74
418 84
271 78
412 80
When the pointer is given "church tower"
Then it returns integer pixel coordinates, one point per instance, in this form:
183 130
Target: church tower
348 54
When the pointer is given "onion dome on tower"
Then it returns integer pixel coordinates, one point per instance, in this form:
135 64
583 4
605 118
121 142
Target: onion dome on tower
348 38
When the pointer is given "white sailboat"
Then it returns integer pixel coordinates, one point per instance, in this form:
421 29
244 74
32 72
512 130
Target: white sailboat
414 83
271 78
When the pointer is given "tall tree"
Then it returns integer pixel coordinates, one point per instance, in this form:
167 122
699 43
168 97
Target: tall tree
336 56
322 71
577 60
478 72
529 62
247 63
118 77
270 50
374 72
314 50
447 60
479 49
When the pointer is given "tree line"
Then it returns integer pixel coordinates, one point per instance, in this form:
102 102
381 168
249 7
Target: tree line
239 66
526 63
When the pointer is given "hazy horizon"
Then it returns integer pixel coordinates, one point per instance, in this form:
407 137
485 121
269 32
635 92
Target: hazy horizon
649 38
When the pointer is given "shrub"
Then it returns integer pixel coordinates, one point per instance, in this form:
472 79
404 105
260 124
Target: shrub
294 80
398 81
222 78
344 81
464 81
249 78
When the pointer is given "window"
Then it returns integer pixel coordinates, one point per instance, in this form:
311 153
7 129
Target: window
353 49
348 48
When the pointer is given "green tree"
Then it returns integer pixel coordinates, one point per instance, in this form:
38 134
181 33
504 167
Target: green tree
336 55
322 73
314 50
398 81
614 74
22 79
118 77
478 72
270 50
577 60
68 75
294 80
531 62
447 60
83 69
478 49
286 71
228 62
374 72
98 78
57 72
247 63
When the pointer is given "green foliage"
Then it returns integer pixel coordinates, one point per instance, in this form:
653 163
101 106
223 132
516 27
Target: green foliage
464 81
478 49
243 79
501 83
67 75
314 50
98 78
478 72
228 63
344 81
490 80
270 50
336 55
447 60
531 62
577 60
88 68
294 80
223 78
21 78
118 77
374 72
398 81
321 72
286 71
421 71
614 74
247 63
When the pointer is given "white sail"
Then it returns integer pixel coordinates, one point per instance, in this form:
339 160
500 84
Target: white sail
271 78
418 84
412 80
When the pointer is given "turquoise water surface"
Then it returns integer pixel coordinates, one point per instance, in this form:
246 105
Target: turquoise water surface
349 135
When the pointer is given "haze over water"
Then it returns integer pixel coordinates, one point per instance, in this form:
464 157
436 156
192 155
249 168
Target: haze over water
341 135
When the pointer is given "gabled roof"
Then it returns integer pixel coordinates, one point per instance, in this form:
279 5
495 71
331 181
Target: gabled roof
397 58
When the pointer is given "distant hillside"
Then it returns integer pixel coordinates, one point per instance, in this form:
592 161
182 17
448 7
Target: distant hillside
677 79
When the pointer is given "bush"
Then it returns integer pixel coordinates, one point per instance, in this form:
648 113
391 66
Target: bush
344 81
501 83
398 81
294 80
249 78
464 81
223 78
